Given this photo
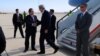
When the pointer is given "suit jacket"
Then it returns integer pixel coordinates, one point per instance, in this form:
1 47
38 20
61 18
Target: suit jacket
29 21
17 20
45 20
2 41
83 23
53 22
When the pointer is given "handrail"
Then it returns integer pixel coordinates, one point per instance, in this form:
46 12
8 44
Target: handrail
63 18
98 9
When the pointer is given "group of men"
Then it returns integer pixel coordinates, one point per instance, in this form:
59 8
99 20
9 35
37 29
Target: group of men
31 22
82 25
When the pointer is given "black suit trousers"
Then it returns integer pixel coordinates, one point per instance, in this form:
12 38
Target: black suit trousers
20 29
46 37
33 36
82 44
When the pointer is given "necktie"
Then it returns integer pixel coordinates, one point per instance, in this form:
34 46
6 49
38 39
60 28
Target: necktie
81 15
33 19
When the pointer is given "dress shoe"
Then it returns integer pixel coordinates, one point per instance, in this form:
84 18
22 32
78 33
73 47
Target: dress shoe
34 49
25 51
41 53
56 50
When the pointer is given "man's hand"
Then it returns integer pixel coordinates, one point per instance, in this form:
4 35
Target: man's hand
24 26
46 31
34 24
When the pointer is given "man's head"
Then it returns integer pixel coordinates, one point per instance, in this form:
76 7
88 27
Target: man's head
41 8
83 7
51 11
31 12
24 12
17 10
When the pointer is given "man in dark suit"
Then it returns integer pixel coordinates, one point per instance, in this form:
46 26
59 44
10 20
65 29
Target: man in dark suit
31 22
82 25
17 22
24 14
45 30
53 22
2 41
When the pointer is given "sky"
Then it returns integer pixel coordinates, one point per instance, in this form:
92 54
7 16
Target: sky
24 5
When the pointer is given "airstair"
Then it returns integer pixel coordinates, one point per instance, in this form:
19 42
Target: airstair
66 33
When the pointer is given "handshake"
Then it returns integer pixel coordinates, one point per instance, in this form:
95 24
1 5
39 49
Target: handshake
34 24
